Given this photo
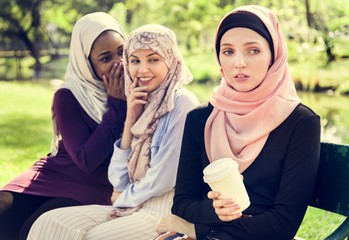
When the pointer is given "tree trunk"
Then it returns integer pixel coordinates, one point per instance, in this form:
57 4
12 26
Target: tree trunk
309 16
320 26
34 51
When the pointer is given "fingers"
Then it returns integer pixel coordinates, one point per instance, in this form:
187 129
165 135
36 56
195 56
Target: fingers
213 195
114 81
165 224
114 76
138 95
159 227
225 204
225 208
135 102
134 84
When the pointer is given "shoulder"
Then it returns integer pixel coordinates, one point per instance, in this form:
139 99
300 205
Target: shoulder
199 115
202 111
302 118
183 96
302 111
63 93
184 101
64 97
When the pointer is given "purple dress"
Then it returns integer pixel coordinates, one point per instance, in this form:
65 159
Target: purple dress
79 170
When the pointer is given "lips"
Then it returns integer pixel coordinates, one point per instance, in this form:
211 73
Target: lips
145 80
241 77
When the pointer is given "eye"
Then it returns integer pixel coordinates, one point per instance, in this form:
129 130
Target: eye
133 61
105 59
154 59
254 51
120 51
227 52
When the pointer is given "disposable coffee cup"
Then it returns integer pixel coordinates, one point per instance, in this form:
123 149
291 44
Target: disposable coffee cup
224 177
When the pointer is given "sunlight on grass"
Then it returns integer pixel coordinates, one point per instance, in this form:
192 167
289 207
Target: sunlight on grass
318 224
25 126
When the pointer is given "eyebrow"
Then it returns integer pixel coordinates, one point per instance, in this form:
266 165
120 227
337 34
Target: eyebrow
106 52
246 44
149 55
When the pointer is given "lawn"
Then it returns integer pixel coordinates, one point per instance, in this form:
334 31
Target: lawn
25 130
25 126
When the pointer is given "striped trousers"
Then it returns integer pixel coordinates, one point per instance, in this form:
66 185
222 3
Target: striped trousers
91 222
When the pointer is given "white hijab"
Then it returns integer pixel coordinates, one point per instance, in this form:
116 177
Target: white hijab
79 77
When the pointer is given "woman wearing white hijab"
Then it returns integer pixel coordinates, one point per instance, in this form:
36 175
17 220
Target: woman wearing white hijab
88 113
143 167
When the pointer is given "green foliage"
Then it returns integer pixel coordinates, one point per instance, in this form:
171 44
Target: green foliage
204 67
119 12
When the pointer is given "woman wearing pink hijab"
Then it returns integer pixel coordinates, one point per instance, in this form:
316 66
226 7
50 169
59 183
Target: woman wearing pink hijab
255 118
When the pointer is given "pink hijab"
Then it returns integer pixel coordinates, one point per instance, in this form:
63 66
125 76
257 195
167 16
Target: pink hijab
240 122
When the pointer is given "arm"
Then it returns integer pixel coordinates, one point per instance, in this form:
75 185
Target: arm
283 218
160 177
87 147
190 201
117 170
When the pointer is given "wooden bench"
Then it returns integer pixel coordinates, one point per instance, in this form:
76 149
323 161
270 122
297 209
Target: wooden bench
331 191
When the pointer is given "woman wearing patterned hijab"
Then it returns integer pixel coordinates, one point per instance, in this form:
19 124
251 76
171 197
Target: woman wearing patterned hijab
144 164
256 119
88 113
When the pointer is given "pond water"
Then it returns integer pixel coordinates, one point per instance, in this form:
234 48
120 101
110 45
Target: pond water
334 113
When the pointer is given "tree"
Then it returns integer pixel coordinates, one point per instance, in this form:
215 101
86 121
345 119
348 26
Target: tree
22 22
315 20
35 22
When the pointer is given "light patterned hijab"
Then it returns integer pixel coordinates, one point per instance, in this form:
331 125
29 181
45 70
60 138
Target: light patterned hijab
161 101
79 77
241 122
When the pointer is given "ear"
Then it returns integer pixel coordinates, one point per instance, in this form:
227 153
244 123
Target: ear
221 71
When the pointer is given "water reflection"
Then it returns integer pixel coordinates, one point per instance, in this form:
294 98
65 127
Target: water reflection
334 113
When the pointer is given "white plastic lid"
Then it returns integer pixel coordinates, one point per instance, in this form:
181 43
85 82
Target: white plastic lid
219 169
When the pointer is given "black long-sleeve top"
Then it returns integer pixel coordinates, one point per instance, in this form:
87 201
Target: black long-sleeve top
279 182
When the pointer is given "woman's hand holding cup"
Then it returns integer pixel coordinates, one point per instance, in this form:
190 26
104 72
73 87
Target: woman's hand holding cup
225 208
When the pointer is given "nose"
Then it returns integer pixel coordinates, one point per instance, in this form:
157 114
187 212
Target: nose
143 68
240 61
117 58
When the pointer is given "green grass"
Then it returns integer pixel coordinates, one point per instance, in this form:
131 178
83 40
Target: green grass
25 130
318 224
25 126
